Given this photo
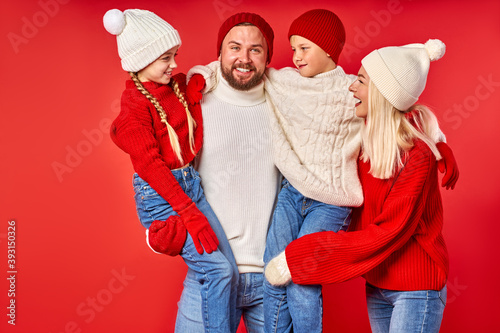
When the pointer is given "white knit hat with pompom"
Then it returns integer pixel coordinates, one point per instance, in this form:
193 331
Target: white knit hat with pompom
142 36
400 73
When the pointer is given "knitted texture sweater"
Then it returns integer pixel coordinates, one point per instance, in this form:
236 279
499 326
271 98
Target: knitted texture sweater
139 132
394 240
316 134
237 172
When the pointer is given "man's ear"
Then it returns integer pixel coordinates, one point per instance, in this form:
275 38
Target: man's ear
219 58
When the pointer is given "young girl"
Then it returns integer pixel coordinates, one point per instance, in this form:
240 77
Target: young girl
396 241
162 136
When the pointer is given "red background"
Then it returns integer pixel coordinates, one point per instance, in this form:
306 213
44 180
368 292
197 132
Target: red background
69 188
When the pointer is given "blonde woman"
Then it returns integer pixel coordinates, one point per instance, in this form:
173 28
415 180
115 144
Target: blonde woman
395 240
162 135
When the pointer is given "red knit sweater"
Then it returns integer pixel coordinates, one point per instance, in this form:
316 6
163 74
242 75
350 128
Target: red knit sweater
394 240
138 131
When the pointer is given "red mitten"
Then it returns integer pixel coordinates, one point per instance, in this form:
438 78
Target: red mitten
447 165
200 230
194 88
168 236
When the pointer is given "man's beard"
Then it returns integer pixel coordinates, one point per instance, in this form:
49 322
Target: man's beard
236 84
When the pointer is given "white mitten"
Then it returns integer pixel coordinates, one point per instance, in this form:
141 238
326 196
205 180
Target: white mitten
277 272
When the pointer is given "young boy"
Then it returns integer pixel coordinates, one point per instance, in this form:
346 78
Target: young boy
316 141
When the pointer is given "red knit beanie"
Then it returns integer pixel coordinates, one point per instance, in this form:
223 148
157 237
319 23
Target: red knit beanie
323 28
254 19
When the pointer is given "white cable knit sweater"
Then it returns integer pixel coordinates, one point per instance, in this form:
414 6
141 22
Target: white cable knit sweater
316 134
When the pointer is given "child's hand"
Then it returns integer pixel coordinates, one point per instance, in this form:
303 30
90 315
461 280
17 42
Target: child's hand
448 164
277 272
168 236
200 230
194 89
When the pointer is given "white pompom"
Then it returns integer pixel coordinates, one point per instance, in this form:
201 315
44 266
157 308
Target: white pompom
435 48
114 21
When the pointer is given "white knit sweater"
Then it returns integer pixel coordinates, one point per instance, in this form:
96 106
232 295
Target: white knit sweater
237 171
316 134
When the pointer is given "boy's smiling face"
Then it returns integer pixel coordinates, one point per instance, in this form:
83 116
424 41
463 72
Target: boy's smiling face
309 58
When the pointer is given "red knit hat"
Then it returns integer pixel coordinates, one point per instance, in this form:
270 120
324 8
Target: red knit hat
254 19
323 28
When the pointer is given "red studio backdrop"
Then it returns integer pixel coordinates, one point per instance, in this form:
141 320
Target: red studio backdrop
80 263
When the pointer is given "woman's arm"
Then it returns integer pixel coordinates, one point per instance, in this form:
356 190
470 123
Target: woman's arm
329 257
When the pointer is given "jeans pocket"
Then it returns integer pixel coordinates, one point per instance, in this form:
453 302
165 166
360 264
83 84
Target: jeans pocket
149 204
443 295
137 183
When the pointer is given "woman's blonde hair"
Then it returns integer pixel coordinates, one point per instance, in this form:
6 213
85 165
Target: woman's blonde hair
388 134
174 139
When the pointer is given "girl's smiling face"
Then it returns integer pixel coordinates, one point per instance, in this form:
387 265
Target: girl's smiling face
160 70
360 90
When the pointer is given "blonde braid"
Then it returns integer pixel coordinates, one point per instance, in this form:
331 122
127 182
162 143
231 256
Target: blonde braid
174 139
191 121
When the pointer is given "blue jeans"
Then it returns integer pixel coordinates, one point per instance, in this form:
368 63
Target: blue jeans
248 304
294 217
405 311
216 273
250 301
